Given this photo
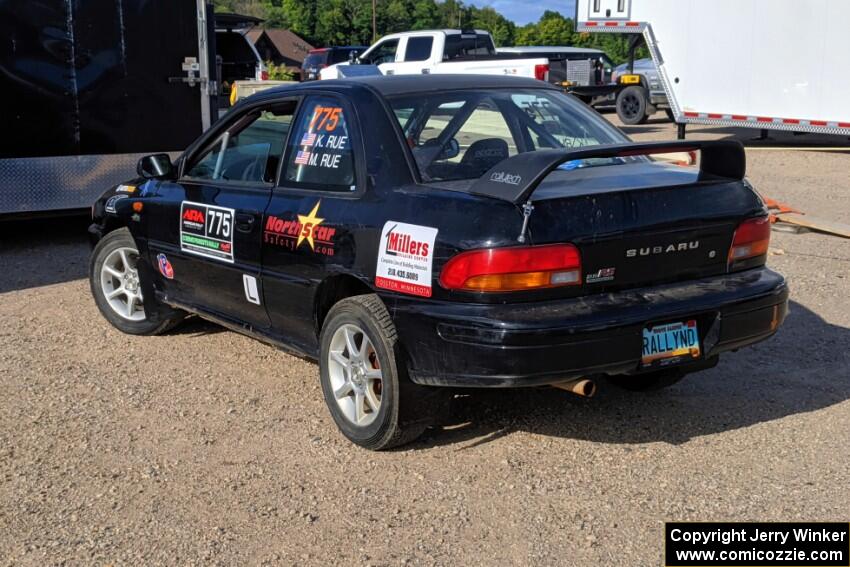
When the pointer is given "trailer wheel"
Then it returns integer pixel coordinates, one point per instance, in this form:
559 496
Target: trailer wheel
632 105
364 378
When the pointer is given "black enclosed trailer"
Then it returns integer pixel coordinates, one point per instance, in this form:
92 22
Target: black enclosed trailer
88 87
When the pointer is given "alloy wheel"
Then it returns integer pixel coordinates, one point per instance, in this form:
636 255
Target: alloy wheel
119 281
355 375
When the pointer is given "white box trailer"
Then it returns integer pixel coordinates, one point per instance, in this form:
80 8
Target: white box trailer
767 64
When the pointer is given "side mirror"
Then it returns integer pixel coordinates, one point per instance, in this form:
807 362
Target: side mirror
451 149
352 57
155 166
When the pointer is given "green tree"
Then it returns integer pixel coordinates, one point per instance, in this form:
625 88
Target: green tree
489 19
426 15
451 14
554 29
396 15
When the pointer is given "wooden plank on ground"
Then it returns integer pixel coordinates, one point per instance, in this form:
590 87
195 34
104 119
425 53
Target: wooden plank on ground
814 223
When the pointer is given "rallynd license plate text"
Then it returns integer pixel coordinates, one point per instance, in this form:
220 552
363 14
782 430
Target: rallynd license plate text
665 344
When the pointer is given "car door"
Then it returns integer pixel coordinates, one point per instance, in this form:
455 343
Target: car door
416 55
206 227
316 215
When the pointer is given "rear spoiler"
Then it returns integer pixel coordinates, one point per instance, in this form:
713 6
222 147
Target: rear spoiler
515 179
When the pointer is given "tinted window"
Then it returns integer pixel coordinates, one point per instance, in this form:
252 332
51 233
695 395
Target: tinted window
384 52
340 55
320 153
463 134
315 59
249 151
418 48
467 45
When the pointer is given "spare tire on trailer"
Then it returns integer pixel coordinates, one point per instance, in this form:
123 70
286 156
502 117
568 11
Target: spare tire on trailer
632 105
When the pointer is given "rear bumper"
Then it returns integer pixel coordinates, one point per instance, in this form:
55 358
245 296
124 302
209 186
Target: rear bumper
528 344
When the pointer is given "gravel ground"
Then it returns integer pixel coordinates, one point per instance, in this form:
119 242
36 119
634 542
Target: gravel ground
206 447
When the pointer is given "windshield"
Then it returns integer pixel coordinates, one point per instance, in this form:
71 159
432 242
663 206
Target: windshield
462 134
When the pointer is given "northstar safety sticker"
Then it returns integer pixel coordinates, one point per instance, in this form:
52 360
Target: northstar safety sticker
309 223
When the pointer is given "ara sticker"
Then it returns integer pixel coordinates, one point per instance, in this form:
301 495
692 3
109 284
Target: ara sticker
206 230
110 203
251 292
405 258
164 266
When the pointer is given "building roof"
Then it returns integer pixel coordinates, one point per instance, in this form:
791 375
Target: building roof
288 43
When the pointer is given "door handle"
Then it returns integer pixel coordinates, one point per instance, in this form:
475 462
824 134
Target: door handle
244 222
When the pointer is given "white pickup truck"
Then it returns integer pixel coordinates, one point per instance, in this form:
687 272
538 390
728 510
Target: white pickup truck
442 52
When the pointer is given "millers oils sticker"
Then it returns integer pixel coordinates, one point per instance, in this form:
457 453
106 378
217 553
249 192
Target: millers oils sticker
405 258
206 230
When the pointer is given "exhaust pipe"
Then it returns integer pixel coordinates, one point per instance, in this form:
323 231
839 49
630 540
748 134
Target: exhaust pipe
580 386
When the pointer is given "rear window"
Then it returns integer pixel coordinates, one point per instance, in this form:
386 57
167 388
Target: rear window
340 55
315 59
467 45
418 48
463 134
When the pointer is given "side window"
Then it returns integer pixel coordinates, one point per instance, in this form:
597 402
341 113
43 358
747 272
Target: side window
321 153
248 151
384 52
418 48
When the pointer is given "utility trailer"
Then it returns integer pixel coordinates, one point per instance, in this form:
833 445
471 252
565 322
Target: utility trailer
89 87
765 64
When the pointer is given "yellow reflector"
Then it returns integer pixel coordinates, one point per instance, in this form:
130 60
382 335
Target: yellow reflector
520 281
630 79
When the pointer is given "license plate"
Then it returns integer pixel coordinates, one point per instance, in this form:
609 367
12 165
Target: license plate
670 343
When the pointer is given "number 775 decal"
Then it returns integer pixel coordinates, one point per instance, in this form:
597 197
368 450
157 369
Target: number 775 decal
206 230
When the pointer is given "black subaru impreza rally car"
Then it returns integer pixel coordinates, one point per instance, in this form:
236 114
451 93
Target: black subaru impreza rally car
418 232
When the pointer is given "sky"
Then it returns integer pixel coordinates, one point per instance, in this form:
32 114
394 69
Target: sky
525 11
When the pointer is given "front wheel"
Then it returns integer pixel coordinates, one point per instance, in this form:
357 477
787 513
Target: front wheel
114 281
364 380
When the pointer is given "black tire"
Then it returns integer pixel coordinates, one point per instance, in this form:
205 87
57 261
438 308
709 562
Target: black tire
406 409
162 319
648 382
670 115
632 105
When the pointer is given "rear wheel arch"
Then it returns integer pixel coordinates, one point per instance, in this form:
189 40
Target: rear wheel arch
331 291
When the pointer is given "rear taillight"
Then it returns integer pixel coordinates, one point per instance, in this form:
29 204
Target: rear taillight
513 269
541 72
264 75
751 241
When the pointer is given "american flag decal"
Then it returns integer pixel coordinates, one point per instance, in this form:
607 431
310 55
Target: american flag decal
308 139
302 158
